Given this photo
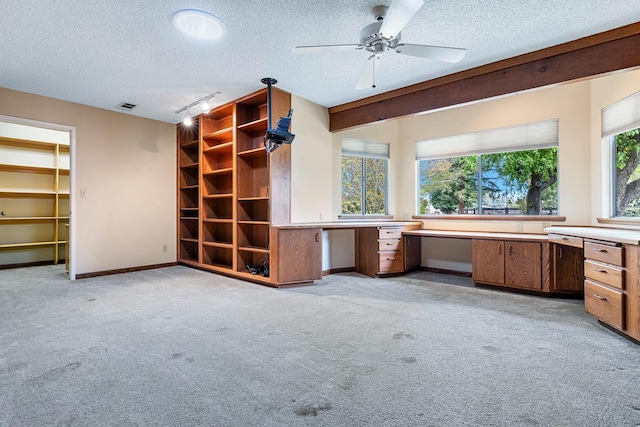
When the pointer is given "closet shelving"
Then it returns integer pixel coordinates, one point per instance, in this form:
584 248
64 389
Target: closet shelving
34 200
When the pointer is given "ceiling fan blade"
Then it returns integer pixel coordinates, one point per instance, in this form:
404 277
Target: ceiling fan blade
368 76
326 48
400 12
439 53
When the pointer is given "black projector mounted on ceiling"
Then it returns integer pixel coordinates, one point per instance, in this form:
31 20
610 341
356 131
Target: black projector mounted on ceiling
279 135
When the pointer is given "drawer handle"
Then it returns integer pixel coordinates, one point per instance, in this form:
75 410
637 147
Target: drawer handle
388 244
596 296
599 250
599 270
390 259
565 239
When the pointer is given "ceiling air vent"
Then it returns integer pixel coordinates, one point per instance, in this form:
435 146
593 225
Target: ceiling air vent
126 106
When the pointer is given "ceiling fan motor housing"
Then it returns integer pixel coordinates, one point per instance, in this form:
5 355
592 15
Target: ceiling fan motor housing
373 41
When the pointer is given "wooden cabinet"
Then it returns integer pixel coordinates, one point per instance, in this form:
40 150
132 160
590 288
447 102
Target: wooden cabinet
34 194
231 192
567 275
605 282
515 264
380 250
298 252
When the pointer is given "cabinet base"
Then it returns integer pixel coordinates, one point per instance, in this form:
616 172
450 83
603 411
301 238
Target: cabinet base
619 332
534 292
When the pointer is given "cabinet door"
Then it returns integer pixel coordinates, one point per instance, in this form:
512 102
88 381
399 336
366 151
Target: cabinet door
523 265
299 255
488 261
568 268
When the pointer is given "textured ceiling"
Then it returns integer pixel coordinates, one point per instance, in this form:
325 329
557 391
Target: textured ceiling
101 53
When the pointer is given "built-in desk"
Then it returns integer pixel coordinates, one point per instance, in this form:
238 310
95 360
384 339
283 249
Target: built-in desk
379 248
611 273
520 261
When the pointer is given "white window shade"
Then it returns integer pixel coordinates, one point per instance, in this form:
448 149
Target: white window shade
621 116
358 147
513 138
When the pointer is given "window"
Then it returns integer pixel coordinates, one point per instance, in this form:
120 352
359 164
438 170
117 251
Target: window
621 125
510 171
364 177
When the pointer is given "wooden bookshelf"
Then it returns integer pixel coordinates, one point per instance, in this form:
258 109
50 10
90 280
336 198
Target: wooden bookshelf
241 192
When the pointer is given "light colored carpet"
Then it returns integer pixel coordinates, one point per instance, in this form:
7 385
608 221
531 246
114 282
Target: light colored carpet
178 347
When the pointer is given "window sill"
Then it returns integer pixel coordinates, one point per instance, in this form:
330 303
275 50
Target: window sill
347 217
619 220
519 218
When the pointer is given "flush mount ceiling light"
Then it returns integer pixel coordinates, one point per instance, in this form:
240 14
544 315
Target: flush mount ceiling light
199 24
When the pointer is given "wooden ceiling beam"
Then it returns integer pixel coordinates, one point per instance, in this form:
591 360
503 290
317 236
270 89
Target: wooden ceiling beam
613 50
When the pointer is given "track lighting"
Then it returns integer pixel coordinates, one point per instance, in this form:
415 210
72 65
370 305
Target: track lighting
205 104
187 121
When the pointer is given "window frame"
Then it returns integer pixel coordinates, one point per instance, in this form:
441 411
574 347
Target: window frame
363 192
480 195
520 137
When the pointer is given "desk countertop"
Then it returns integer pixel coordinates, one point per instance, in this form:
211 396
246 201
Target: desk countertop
332 225
619 235
478 235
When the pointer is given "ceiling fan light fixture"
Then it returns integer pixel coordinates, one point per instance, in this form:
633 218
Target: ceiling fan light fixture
199 24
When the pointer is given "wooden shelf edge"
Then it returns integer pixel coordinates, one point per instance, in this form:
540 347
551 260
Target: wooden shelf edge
253 249
254 222
30 218
218 244
218 133
189 218
190 166
252 199
190 144
30 193
219 220
253 124
254 152
27 168
186 239
25 245
218 196
218 147
218 172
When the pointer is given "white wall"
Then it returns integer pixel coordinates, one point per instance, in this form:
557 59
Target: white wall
127 166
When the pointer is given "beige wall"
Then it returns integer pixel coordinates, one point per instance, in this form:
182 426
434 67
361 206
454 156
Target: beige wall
311 163
127 167
604 92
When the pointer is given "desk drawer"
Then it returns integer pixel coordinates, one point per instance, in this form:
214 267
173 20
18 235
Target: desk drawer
389 244
389 232
605 253
604 303
390 262
576 242
606 274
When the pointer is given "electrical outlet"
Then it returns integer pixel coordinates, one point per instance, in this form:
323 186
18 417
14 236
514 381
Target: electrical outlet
518 227
83 192
164 248
406 216
321 216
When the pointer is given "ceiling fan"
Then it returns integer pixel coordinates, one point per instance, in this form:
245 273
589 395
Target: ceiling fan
384 35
